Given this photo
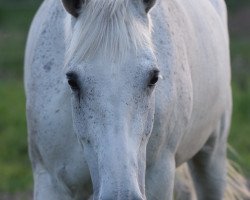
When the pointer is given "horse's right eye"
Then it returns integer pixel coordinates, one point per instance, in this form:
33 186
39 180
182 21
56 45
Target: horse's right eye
154 77
73 84
72 81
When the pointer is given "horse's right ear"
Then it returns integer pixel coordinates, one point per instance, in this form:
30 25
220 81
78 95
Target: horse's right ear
72 6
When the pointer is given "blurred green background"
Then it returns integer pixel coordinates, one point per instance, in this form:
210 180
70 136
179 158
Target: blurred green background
15 18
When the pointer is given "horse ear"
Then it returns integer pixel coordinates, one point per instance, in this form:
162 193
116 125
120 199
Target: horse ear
148 4
72 6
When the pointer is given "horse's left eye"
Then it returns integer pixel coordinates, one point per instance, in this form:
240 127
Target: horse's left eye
72 81
154 78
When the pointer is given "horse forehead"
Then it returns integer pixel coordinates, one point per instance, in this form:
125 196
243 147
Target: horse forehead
136 62
112 73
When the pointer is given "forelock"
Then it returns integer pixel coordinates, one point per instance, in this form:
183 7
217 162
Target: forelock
106 26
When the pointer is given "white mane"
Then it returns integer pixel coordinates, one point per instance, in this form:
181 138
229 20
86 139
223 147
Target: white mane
106 26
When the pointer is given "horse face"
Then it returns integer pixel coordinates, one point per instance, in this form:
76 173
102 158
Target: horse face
113 111
113 99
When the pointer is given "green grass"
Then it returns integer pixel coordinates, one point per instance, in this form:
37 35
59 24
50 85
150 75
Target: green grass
240 129
15 171
12 46
15 19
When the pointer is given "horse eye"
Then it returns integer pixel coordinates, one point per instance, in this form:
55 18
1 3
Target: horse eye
72 81
73 84
154 78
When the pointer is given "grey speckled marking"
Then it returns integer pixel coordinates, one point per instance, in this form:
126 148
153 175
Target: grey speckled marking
48 65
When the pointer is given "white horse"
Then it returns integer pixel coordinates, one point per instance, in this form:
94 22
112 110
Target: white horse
122 92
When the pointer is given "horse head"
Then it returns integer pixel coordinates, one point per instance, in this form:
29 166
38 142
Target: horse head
112 73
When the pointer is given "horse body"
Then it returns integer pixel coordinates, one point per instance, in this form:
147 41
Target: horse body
191 109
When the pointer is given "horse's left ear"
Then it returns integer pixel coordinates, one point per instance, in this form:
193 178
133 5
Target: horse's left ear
72 6
148 4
